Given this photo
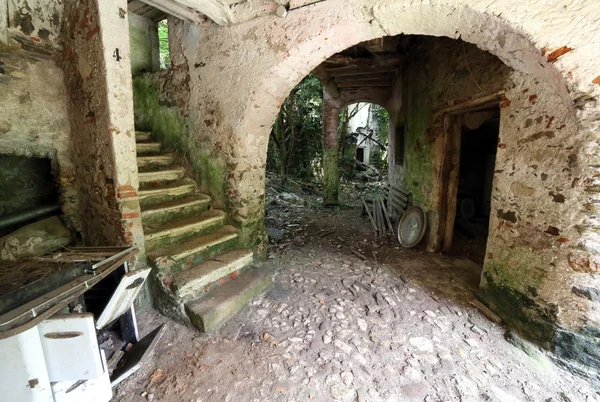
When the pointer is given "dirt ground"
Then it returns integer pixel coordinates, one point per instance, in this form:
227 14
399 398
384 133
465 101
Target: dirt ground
398 326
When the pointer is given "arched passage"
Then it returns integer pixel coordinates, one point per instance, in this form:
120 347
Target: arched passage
538 242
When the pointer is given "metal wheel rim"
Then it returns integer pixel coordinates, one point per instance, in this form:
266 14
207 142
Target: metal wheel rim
414 237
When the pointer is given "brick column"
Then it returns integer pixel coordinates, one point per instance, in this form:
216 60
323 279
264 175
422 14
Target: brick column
331 166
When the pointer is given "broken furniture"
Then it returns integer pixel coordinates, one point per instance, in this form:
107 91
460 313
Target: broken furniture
53 310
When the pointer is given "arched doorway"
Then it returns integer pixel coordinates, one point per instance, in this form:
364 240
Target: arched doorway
535 236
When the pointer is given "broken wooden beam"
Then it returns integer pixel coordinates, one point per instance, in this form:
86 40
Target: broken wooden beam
369 214
387 216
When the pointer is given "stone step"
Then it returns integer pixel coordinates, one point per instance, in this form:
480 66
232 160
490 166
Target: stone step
192 281
171 174
177 209
193 251
222 302
141 136
153 194
165 234
155 161
148 148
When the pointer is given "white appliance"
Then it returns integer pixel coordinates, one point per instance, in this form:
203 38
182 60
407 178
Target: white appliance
59 360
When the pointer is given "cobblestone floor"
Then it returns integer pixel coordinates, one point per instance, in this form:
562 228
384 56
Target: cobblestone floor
398 326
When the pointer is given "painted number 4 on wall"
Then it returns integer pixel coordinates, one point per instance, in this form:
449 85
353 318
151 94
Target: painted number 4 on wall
116 55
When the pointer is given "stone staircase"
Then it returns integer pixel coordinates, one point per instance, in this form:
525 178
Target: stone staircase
200 274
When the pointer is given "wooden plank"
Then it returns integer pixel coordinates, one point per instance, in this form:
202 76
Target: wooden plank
398 208
381 60
172 9
368 77
213 9
367 83
369 214
378 225
401 201
399 190
354 71
382 217
471 104
136 6
382 228
399 195
387 217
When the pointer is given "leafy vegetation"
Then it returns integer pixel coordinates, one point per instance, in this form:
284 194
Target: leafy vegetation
163 44
295 145
296 141
381 120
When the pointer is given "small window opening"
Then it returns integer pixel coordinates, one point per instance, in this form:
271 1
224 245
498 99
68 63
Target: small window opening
163 45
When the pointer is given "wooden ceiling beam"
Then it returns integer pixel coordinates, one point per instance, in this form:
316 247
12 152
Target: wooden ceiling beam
352 70
363 84
196 11
380 60
176 10
366 77
327 81
213 9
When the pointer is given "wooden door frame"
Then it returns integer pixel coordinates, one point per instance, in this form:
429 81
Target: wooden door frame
450 161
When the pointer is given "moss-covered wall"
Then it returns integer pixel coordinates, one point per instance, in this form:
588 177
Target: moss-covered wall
143 41
159 108
419 176
536 259
151 114
438 72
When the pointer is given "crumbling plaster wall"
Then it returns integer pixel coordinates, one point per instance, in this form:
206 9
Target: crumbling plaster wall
538 201
96 61
240 75
33 106
143 38
291 47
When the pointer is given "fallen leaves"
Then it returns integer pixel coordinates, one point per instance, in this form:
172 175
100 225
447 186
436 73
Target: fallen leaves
156 376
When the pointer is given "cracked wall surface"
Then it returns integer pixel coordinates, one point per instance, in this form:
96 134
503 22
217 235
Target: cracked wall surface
240 75
33 105
96 62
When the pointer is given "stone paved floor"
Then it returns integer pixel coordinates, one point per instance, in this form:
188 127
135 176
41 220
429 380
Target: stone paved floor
396 327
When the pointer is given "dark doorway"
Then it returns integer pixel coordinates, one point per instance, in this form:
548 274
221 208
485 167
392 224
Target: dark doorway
478 145
360 154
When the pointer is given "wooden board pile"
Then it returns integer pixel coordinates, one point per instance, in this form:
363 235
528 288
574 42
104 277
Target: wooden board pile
384 212
380 217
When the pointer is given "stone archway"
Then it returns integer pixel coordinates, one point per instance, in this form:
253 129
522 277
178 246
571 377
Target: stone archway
544 240
321 38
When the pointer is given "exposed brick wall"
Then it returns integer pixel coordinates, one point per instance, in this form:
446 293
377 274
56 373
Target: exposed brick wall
101 116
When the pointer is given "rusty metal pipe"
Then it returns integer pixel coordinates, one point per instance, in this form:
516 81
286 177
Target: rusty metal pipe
28 216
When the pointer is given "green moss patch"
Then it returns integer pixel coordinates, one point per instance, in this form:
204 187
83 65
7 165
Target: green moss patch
165 123
331 176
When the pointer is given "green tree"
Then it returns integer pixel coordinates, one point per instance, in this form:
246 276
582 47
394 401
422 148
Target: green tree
297 133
